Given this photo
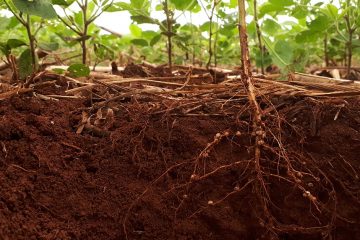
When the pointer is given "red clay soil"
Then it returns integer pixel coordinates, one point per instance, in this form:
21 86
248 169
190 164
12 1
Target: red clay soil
57 184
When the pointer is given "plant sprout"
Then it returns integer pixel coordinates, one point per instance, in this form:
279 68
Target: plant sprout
79 22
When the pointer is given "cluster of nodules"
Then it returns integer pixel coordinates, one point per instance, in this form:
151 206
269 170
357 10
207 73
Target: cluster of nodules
260 134
306 194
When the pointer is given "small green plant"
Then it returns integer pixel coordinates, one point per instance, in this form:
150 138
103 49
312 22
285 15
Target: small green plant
211 26
141 13
79 22
23 11
352 23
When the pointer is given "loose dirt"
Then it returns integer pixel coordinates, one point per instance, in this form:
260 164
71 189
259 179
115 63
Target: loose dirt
57 184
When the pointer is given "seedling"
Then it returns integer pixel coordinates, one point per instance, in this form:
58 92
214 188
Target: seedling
79 22
23 10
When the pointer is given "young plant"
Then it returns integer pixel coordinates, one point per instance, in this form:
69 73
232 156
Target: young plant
258 33
211 15
169 32
140 14
352 22
249 86
102 49
23 10
80 22
171 27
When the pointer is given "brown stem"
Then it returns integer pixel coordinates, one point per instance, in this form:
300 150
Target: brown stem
247 80
31 42
349 55
245 56
258 32
348 58
210 46
83 47
326 55
215 45
211 16
85 31
349 46
169 33
193 40
344 60
256 110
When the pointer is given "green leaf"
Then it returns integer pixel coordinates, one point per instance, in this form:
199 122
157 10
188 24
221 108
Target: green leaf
300 12
267 8
270 27
266 60
13 23
103 52
25 64
79 70
155 40
119 6
331 11
186 5
306 37
5 49
205 27
15 43
41 8
4 22
159 7
137 4
277 59
356 43
283 3
58 70
140 42
135 30
228 30
182 46
79 18
319 24
144 19
148 35
233 3
64 3
251 29
52 46
284 50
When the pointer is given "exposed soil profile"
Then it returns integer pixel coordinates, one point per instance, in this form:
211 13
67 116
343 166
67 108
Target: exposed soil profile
135 172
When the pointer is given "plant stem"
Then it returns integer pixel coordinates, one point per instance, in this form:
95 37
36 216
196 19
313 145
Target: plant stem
88 19
85 31
31 42
247 77
349 55
245 56
255 108
349 43
215 43
326 55
17 16
211 16
349 46
193 39
258 32
169 33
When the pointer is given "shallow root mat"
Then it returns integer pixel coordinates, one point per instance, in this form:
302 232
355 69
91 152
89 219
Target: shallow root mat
126 171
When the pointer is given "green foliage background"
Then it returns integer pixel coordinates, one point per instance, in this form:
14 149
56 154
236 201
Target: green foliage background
293 44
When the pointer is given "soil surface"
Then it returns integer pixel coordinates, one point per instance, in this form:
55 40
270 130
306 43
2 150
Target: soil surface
61 180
